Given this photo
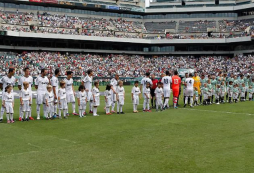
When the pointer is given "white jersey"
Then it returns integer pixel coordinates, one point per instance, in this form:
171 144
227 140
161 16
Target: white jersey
166 81
82 96
147 91
28 79
96 92
62 93
88 82
55 83
190 83
159 92
68 85
107 94
120 90
49 96
8 97
25 94
5 81
114 83
42 83
144 81
135 91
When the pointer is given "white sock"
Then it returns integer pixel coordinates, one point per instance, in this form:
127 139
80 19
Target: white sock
80 113
64 112
144 104
21 113
55 108
91 105
121 108
186 100
191 100
27 114
166 102
7 116
30 112
134 108
11 116
74 107
94 110
117 107
59 113
2 112
38 108
148 106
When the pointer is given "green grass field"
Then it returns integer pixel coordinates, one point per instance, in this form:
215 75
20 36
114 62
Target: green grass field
216 138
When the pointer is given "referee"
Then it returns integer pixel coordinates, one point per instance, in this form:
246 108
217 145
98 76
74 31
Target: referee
155 82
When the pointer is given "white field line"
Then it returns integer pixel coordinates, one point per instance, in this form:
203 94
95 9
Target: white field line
224 112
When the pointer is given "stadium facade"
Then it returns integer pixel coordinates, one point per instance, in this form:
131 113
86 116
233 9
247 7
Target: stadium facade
177 27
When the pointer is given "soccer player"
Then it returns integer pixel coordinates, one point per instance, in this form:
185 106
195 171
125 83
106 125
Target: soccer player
41 83
70 93
114 83
49 101
197 82
147 93
82 100
143 82
206 93
166 81
29 79
88 82
251 91
25 101
235 93
8 80
135 96
153 98
195 97
8 103
62 100
55 83
189 82
203 80
159 94
230 91
96 98
176 84
222 91
243 89
184 87
213 83
217 94
120 97
108 98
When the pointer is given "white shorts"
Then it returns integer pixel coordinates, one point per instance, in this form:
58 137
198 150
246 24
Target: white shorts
40 98
8 107
62 104
189 92
121 100
217 96
166 92
70 98
26 106
213 92
109 102
50 108
96 102
158 101
135 100
242 94
82 106
235 95
222 94
250 95
230 94
205 96
89 96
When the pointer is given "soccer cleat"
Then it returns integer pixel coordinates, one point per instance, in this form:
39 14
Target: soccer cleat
67 114
90 112
117 112
1 120
95 115
184 105
108 114
122 112
31 118
113 111
148 111
20 119
26 119
144 110
135 111
74 113
218 103
84 113
38 118
8 122
175 107
12 121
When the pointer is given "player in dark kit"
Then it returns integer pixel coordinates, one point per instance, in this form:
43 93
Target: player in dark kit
155 82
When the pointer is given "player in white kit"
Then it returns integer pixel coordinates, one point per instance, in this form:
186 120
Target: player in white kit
135 95
25 101
82 99
120 97
5 81
96 98
159 95
62 102
143 83
8 103
189 83
70 93
49 101
41 83
88 82
55 83
114 83
29 79
166 81
108 98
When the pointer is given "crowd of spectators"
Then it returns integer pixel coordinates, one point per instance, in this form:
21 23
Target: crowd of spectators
125 65
121 28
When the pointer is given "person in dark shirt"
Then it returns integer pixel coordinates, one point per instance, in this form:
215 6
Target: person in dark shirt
153 87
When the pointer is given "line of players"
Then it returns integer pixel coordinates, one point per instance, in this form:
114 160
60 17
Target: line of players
216 88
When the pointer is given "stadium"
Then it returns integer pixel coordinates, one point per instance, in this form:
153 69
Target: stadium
127 85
